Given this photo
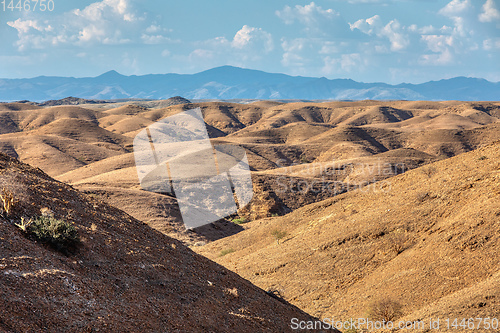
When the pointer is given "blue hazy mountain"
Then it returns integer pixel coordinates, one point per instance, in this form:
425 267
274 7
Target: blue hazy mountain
229 82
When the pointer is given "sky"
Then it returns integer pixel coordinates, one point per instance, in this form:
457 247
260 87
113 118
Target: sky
390 41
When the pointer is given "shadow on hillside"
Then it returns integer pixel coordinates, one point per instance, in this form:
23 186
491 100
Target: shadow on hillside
217 230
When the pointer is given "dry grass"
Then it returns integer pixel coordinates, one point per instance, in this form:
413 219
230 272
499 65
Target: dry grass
334 260
397 242
422 196
8 201
24 224
429 170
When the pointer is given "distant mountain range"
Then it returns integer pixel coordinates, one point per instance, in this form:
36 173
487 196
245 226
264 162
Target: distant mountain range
229 82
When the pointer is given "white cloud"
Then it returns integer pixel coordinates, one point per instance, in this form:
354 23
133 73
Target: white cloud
91 32
490 13
249 37
155 34
103 22
441 59
294 55
442 46
25 26
455 8
428 29
346 63
368 26
316 21
452 44
438 43
393 31
201 54
301 56
491 44
459 11
154 29
35 34
369 1
308 15
154 39
248 47
99 11
330 47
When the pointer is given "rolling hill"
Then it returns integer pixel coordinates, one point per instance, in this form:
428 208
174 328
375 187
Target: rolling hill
123 276
299 153
352 201
427 239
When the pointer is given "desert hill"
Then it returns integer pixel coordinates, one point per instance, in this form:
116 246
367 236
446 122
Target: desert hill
30 117
124 276
427 239
71 101
343 145
352 201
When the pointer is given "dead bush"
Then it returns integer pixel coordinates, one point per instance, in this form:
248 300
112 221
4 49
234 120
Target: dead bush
397 242
12 194
429 171
384 309
421 197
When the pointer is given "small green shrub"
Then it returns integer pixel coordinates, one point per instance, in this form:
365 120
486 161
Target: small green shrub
351 330
240 221
60 234
226 251
278 234
482 158
304 160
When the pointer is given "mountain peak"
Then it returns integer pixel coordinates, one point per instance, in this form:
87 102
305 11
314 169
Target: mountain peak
110 75
228 69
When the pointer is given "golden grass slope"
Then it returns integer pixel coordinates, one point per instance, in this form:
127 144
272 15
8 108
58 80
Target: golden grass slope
428 239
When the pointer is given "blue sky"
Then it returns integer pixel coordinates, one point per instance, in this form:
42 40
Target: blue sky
365 40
